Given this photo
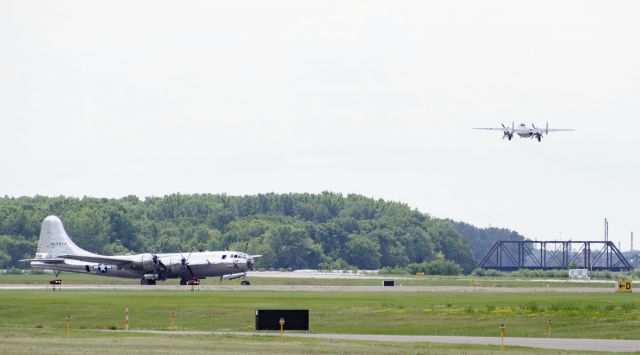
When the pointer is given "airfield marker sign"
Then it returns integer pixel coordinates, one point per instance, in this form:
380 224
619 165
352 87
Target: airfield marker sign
126 318
67 318
624 286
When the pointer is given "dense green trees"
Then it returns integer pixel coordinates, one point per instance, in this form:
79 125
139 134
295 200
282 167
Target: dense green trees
482 239
290 230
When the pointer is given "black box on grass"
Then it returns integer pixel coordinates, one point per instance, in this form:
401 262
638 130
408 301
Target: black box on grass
294 319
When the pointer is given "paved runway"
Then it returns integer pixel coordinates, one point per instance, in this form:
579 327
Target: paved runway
315 288
545 343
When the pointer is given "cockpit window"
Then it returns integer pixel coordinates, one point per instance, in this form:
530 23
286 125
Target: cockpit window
224 256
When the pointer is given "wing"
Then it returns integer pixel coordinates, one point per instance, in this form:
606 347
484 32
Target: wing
45 260
560 129
490 128
104 259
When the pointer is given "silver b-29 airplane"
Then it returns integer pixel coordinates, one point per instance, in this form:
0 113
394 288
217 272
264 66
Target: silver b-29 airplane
526 132
56 251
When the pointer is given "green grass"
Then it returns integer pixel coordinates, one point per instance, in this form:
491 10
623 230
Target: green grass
85 342
32 321
581 315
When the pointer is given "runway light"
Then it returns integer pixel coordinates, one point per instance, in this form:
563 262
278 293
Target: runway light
281 327
173 320
549 322
502 336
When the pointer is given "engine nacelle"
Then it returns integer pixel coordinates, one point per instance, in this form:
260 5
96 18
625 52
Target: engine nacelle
147 262
158 276
174 264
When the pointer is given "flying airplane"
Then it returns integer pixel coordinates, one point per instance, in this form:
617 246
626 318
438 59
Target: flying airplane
56 251
525 132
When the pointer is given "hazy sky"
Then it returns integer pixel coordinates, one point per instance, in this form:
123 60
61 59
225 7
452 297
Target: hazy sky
111 98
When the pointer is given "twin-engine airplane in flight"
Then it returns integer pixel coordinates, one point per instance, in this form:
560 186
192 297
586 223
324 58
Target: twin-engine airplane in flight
525 132
56 251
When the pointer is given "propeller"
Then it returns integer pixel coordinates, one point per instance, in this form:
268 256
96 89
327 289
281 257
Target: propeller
538 132
507 132
250 262
157 263
185 265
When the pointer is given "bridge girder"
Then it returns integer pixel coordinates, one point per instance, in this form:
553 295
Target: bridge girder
509 255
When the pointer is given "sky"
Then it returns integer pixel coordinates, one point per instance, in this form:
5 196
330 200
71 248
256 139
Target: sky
378 98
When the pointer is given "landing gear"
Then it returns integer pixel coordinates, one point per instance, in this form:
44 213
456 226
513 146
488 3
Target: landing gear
144 281
245 283
193 282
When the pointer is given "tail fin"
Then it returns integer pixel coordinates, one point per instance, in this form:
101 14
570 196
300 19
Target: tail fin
54 241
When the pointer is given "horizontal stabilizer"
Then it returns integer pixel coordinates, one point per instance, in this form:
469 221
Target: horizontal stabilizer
256 256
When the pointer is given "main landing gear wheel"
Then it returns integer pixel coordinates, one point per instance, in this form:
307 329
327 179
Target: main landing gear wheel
144 281
183 282
245 283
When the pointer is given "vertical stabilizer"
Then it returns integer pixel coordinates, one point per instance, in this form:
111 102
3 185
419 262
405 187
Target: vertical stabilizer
54 241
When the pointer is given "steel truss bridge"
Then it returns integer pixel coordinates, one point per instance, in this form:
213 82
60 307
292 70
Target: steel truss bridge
509 255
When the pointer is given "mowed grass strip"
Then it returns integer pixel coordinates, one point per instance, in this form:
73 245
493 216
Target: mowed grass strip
593 315
37 341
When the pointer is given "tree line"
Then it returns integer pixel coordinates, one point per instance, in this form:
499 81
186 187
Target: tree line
327 230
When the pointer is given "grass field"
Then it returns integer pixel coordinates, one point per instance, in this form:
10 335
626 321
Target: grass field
85 342
590 315
32 321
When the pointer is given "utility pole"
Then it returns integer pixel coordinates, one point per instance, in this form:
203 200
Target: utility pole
633 253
